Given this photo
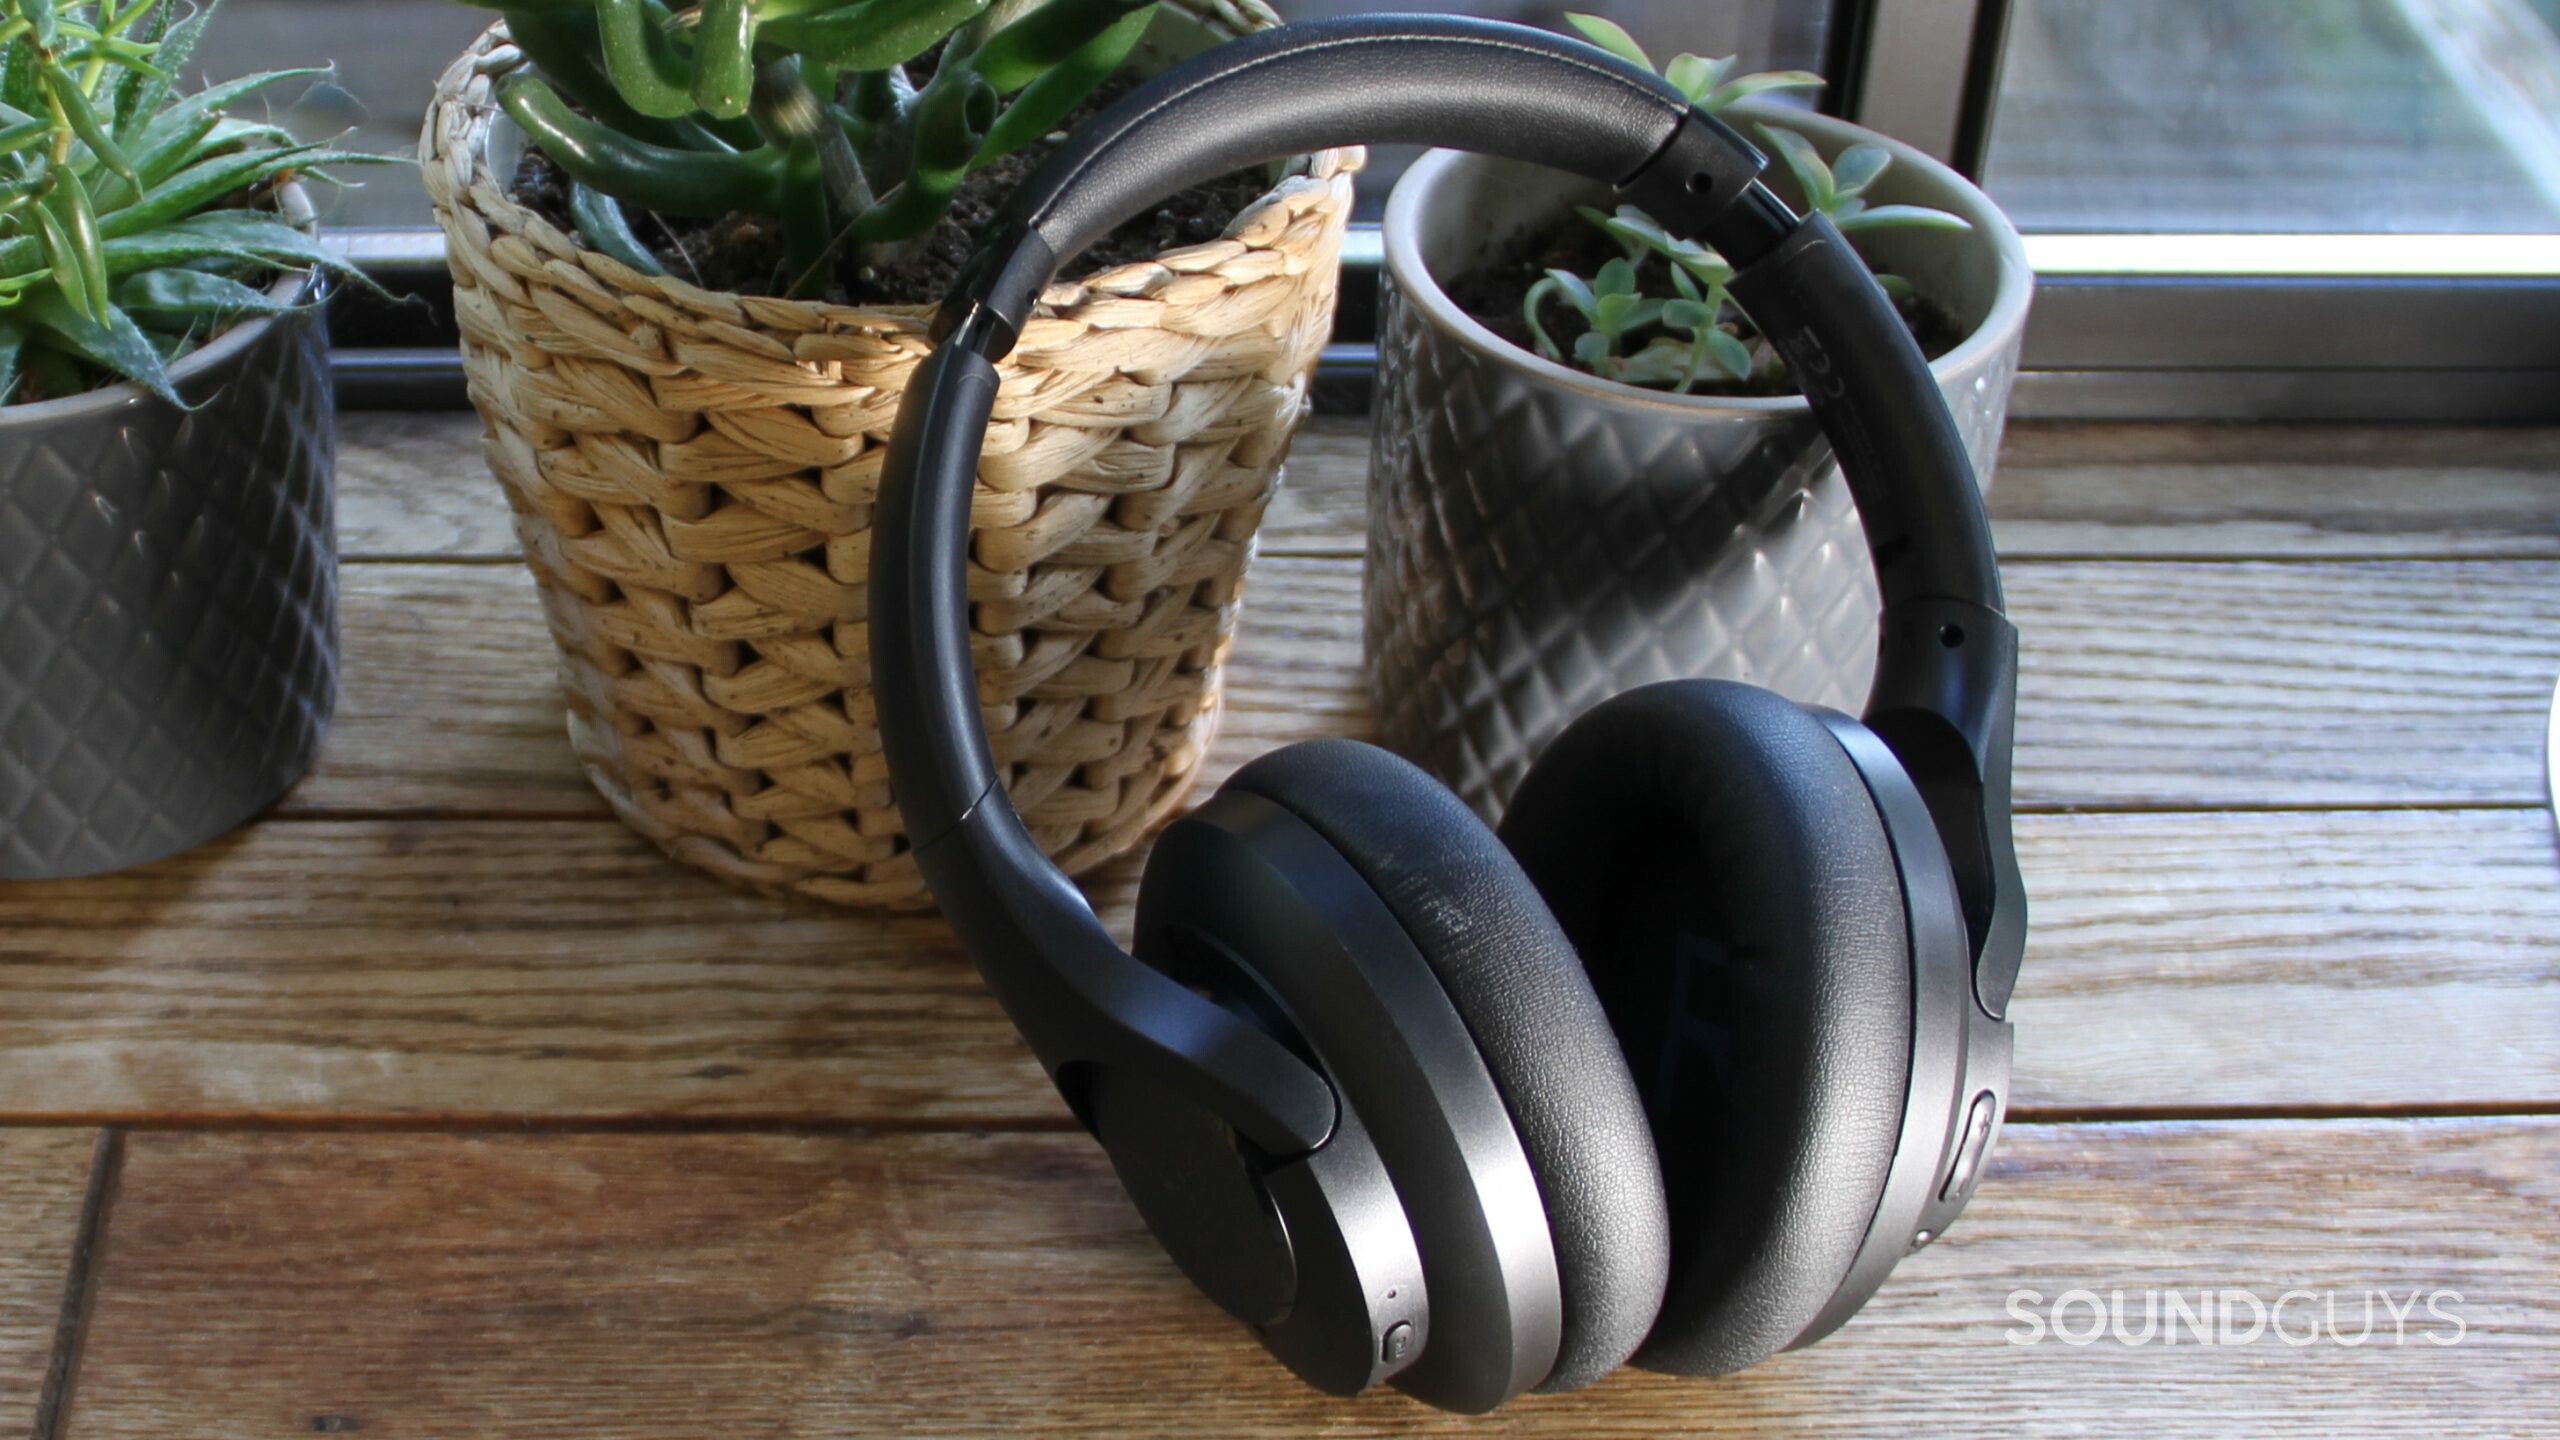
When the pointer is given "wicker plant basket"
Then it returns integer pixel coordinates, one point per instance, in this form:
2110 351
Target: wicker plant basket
692 475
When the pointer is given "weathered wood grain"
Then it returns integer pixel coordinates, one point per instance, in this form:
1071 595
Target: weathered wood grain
2217 685
448 699
1322 508
442 932
2198 955
416 486
2149 491
2144 684
412 484
377 970
949 1285
43 1174
2295 491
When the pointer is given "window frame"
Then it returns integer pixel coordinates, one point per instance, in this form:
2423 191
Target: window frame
2361 328
2174 340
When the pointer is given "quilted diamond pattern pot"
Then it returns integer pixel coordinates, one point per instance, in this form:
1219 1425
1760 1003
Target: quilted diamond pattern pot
168 602
1540 539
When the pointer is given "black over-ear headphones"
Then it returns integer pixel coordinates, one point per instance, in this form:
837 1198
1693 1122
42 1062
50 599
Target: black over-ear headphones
1356 1078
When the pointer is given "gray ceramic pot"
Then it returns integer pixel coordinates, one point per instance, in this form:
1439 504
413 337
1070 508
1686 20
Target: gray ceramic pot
1540 539
168 602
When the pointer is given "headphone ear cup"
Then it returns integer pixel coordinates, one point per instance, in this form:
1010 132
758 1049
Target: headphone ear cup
1715 857
1513 978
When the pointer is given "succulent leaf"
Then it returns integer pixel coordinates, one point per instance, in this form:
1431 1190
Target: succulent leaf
657 177
724 58
1577 291
192 300
1902 217
1045 103
1613 304
1732 357
601 220
642 62
1805 162
1023 51
113 343
1716 100
1696 76
1857 167
1609 35
1687 314
874 35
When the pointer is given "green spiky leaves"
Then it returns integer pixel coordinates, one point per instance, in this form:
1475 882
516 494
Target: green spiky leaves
131 227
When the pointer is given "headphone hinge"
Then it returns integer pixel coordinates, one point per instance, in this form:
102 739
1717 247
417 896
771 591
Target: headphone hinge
1704 184
988 304
1945 700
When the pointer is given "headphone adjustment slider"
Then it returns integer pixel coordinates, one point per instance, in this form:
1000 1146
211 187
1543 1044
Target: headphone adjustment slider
1704 184
994 294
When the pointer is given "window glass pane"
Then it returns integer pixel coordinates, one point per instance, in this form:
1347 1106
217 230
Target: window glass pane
2280 116
390 53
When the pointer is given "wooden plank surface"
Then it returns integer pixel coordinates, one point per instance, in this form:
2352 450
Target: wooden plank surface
448 699
2171 685
2211 686
425 970
415 486
949 1285
2146 685
2288 862
43 1175
2292 961
2293 491
2160 492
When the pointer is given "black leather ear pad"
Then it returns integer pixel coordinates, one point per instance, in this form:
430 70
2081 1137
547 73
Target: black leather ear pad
1719 864
1514 979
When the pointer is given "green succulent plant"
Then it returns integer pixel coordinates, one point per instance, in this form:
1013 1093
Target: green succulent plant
1697 333
800 109
133 219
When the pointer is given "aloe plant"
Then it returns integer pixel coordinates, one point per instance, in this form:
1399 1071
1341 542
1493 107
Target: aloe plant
1697 333
132 222
800 109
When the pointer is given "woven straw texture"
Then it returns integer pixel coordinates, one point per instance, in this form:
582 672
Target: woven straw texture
693 473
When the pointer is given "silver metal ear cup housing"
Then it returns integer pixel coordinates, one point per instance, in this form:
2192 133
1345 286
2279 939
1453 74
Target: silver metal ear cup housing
1249 904
1958 1087
1312 1252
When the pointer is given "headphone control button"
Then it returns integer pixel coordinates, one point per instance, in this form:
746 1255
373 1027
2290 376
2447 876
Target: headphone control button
1970 1148
1397 1344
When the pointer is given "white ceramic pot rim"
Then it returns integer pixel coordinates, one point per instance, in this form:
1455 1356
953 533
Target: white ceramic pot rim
289 289
1406 220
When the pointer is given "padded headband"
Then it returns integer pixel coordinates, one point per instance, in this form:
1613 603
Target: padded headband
1499 89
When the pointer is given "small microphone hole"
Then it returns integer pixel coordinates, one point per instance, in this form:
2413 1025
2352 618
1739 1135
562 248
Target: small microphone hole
1701 183
1951 636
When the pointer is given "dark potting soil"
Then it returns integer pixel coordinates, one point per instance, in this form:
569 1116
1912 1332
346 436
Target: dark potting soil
1495 294
744 252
